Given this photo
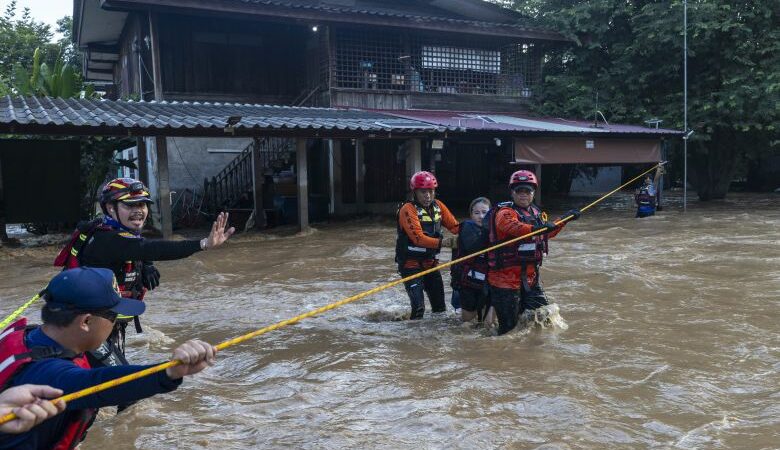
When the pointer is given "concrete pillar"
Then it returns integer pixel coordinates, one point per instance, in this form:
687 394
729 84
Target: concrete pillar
303 184
360 172
163 180
258 180
413 157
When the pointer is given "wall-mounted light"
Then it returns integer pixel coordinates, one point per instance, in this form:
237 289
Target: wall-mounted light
497 141
315 28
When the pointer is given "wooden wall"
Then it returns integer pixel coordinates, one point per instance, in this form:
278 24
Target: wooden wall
385 172
212 59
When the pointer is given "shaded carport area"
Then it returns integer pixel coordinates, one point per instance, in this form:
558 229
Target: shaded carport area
513 140
156 121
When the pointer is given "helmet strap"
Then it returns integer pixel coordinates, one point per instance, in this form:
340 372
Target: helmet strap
117 223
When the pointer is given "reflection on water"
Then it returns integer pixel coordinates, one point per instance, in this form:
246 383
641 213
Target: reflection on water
672 342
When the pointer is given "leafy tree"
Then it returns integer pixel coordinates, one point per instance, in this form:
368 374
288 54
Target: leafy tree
40 80
19 37
628 54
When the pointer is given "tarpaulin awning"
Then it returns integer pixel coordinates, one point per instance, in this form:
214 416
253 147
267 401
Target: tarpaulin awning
587 150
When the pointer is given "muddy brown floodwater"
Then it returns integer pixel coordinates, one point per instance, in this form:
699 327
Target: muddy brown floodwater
673 341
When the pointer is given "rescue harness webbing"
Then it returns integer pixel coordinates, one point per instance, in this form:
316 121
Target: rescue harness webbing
159 368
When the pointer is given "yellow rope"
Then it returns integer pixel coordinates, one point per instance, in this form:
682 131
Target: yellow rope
151 370
19 311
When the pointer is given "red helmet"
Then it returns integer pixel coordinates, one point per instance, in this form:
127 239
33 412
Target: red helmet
423 180
127 190
523 177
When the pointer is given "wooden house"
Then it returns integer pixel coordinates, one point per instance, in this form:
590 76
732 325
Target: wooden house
468 65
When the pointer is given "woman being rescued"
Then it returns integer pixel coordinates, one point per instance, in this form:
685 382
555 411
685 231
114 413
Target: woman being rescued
468 277
419 240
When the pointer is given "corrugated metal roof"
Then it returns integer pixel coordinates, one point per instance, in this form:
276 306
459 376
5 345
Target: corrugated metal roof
418 16
62 116
511 122
390 10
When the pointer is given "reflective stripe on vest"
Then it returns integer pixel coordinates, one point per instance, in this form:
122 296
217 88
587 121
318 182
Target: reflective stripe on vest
529 250
15 355
431 226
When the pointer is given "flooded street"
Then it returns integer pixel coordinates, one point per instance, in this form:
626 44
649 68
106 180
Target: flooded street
673 341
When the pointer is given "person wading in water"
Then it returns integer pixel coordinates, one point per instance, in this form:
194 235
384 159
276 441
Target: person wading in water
419 240
468 277
81 308
513 274
115 242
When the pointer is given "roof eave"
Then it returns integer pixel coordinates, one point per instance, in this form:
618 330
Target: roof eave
432 24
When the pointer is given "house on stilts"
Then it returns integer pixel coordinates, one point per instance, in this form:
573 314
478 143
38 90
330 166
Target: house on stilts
302 110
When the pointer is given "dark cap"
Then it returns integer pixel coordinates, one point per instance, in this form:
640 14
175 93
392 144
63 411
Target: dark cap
90 289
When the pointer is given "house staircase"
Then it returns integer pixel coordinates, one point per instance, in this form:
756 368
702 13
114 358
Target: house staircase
232 189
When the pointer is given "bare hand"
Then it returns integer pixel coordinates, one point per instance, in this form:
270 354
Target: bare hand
219 232
27 402
195 355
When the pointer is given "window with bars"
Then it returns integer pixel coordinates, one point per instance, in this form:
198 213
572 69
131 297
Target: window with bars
372 60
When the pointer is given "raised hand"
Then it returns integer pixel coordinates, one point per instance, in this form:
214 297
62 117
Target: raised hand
219 232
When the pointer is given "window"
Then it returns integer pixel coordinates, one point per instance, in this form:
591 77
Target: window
370 59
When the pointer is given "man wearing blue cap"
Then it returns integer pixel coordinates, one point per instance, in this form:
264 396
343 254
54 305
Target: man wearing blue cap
81 307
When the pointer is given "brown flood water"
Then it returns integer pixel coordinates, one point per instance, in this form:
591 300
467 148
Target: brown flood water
673 341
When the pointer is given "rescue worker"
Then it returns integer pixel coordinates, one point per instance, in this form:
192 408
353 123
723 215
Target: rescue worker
646 197
115 242
468 277
81 307
28 402
419 241
513 274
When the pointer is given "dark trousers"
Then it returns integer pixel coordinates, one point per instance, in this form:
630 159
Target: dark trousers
510 303
430 284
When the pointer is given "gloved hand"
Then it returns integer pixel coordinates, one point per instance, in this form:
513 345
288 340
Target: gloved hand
546 226
150 276
573 212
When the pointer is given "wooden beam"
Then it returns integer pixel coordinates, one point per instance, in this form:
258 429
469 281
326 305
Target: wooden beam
538 172
413 157
154 36
303 183
258 181
142 161
337 178
360 170
164 187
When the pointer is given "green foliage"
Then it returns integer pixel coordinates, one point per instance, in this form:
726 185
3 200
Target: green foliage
19 37
629 55
99 163
61 81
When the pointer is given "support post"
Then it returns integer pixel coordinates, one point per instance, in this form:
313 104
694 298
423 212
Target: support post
336 193
413 157
360 192
258 184
154 36
303 184
163 181
538 172
143 160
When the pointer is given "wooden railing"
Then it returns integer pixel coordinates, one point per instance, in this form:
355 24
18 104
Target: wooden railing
233 186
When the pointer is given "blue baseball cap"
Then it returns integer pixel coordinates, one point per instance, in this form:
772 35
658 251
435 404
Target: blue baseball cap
90 289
